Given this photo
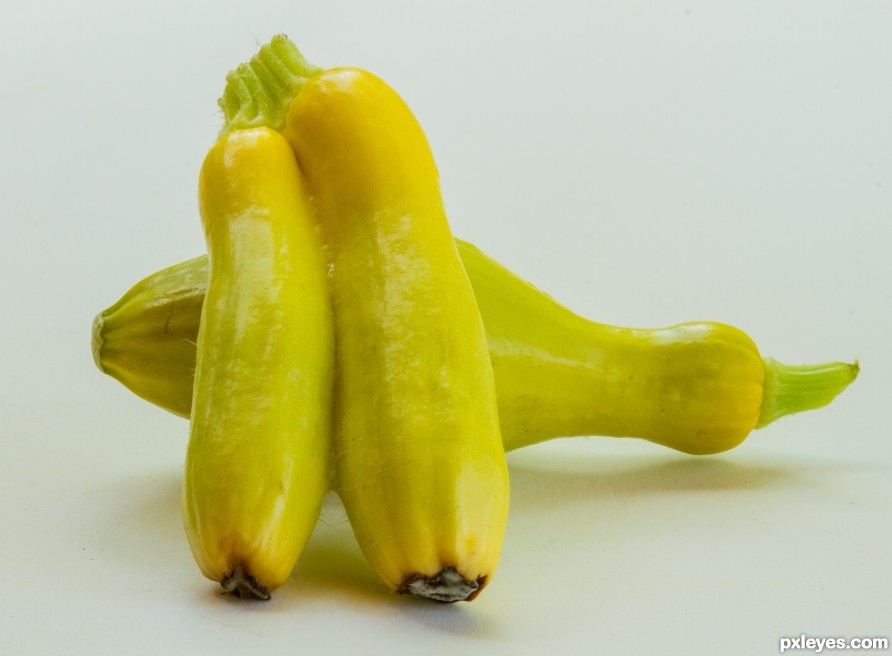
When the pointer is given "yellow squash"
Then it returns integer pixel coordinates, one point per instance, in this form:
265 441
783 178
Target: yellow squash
256 465
698 387
418 458
556 373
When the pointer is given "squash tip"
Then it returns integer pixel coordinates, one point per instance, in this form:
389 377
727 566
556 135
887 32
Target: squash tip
96 341
241 584
447 587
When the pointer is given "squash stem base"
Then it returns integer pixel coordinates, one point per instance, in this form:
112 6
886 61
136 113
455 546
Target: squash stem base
789 389
259 92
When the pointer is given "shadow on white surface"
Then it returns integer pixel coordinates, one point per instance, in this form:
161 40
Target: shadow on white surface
595 527
586 478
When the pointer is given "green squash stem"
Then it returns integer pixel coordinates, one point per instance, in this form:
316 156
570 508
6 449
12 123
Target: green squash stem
259 92
790 388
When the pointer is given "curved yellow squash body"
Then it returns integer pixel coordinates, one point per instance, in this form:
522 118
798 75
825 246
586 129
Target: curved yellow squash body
419 461
695 387
557 374
256 465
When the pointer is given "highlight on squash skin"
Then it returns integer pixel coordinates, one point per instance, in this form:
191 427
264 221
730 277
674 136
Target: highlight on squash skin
550 364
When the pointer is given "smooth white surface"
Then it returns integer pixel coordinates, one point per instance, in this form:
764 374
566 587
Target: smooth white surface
646 163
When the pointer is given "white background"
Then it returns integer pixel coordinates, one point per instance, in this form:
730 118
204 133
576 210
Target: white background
644 162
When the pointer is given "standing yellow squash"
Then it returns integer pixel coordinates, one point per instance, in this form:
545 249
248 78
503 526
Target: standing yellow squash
418 457
256 466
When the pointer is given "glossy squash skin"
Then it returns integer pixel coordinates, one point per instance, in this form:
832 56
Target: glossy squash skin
256 464
419 461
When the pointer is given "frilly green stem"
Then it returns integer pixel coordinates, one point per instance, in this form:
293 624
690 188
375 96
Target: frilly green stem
259 92
795 388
